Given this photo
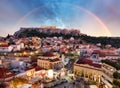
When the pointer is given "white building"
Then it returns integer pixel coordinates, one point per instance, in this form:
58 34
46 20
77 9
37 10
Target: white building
6 49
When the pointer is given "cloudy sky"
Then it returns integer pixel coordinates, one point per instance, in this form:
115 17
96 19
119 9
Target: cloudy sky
92 17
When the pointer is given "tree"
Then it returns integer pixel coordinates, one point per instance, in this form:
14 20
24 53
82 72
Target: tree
8 36
116 75
113 64
116 82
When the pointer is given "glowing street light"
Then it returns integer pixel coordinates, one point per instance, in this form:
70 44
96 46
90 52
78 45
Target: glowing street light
31 53
24 53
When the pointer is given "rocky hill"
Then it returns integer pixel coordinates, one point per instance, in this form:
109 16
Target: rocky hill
66 33
27 32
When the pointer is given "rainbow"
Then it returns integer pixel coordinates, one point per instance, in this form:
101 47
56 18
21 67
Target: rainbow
97 19
78 7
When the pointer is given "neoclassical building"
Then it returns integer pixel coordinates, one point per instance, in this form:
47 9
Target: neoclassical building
49 61
86 68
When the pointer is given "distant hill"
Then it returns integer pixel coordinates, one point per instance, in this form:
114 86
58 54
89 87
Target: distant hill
66 33
45 31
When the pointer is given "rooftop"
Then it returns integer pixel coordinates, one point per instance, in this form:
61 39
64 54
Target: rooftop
88 62
50 60
48 54
101 54
5 73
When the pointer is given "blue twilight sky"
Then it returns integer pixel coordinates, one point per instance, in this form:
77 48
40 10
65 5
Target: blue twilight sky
92 17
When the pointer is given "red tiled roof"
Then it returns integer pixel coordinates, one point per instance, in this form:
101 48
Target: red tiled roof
38 68
58 44
101 54
54 60
63 49
89 62
48 54
112 55
96 51
6 73
29 68
96 65
5 45
50 60
84 61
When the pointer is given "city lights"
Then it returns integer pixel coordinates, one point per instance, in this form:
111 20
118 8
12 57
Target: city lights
59 44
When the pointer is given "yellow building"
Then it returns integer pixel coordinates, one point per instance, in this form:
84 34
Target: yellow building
87 69
49 61
30 72
94 72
